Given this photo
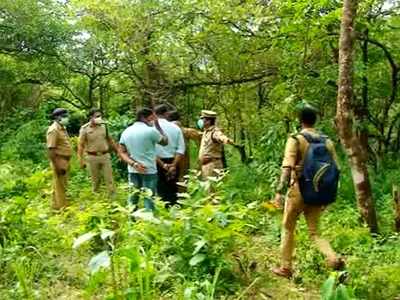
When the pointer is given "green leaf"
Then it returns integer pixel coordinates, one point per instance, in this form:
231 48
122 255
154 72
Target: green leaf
83 239
187 295
106 234
146 216
342 293
327 290
199 244
101 260
198 258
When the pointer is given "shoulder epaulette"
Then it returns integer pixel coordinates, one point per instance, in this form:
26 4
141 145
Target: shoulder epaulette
295 135
52 127
85 125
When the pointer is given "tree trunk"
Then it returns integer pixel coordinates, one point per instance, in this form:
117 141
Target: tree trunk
361 108
102 89
90 92
396 199
345 115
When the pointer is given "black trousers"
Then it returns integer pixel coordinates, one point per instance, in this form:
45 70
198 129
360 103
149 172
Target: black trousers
166 186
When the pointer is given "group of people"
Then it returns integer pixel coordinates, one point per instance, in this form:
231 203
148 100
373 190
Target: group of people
154 148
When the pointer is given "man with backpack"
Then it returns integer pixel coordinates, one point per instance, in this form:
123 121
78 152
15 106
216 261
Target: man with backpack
310 175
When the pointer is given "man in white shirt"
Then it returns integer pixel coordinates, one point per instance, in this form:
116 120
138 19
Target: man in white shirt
169 156
138 149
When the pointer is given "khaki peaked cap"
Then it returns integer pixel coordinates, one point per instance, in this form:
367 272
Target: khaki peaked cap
208 114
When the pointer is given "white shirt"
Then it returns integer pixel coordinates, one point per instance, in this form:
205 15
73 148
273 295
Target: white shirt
176 142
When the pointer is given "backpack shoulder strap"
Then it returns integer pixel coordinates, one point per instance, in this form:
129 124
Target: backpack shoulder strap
312 139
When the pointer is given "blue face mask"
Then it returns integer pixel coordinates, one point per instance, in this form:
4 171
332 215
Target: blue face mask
200 124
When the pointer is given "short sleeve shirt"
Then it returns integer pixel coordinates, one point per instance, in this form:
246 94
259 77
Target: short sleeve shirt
94 138
140 141
57 138
176 142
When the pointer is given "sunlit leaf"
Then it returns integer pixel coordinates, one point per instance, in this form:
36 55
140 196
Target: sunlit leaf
83 239
106 234
199 244
198 258
101 260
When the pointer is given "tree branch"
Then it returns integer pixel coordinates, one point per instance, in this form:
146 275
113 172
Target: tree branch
185 85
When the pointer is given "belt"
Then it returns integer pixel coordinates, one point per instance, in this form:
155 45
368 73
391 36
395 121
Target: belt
97 153
66 157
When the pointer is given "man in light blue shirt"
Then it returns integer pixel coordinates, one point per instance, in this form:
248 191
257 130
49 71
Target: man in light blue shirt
169 156
138 149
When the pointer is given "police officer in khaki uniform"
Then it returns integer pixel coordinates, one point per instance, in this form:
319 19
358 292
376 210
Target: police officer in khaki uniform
293 161
96 142
211 145
60 152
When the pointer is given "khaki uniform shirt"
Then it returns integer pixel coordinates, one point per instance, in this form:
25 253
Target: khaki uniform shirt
212 143
58 139
296 148
94 138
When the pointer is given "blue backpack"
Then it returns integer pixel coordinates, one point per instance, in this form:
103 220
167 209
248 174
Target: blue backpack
319 179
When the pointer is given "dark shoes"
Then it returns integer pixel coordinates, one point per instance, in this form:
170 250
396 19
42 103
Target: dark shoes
283 272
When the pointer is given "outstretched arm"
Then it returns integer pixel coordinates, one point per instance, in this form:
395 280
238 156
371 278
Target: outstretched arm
192 134
219 137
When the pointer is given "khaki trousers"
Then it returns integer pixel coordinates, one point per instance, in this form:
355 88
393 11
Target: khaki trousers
59 187
294 206
207 170
100 166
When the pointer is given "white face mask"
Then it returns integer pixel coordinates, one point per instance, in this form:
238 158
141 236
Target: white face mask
64 121
98 120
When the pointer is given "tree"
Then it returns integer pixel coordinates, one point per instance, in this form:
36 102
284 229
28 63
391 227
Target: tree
345 115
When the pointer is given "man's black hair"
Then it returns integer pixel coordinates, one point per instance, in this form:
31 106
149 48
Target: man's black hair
174 116
161 109
143 113
92 111
308 116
